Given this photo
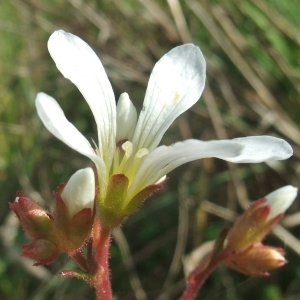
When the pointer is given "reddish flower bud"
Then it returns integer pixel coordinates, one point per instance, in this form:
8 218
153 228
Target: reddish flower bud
70 232
73 211
257 260
34 219
245 251
252 226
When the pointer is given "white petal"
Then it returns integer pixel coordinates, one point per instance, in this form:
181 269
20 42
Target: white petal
55 121
281 199
175 84
79 63
79 192
262 148
164 159
126 118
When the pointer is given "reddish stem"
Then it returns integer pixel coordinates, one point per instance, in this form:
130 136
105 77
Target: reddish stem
79 258
199 275
96 232
102 276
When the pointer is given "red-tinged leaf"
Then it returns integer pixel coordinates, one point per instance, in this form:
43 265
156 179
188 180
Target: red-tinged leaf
77 274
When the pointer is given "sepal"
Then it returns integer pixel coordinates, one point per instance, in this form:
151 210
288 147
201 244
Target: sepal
257 260
140 197
115 207
61 219
43 251
110 210
71 232
116 191
251 227
80 226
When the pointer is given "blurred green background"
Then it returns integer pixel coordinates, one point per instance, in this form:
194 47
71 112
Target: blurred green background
253 56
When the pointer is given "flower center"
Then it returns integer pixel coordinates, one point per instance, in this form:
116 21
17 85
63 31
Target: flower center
126 162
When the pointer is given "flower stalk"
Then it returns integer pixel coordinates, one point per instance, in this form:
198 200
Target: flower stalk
197 278
102 277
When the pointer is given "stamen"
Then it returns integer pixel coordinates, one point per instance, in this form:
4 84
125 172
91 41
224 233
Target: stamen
142 152
116 161
131 169
127 147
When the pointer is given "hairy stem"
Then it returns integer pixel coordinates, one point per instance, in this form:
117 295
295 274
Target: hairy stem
102 277
197 278
79 258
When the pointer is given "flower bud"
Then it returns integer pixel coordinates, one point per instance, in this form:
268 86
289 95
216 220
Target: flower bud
253 225
126 118
73 211
257 260
34 219
79 192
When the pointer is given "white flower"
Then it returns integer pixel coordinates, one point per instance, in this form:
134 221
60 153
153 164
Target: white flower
129 146
79 192
280 200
